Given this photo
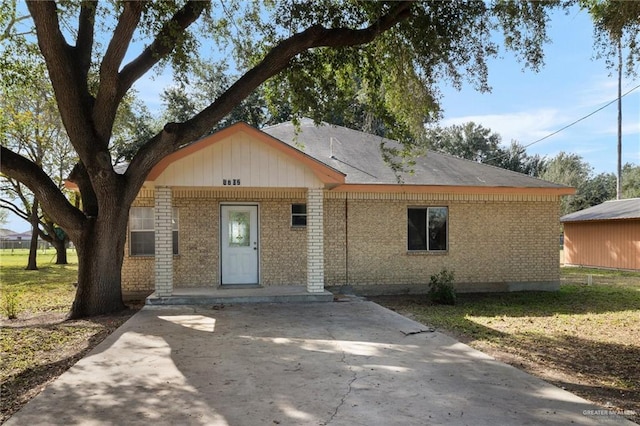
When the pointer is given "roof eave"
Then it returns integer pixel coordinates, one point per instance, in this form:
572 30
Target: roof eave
454 189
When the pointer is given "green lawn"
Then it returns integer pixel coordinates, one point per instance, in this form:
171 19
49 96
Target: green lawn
40 344
585 338
50 288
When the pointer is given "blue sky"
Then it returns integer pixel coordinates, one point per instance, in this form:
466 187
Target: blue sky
525 106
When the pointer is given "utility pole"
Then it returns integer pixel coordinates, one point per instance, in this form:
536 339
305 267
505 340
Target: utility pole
619 176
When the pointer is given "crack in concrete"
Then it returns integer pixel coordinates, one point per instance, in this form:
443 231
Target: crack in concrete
347 393
343 360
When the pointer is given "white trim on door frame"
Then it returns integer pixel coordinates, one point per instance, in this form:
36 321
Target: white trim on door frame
254 241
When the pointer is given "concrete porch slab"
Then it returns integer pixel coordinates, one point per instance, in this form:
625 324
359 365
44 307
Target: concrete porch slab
218 296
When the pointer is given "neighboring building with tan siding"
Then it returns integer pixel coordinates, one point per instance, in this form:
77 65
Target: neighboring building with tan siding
604 236
318 206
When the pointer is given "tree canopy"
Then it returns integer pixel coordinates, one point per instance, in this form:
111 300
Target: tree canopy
474 142
615 22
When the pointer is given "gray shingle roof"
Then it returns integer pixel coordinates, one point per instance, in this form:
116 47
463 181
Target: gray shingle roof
614 209
359 156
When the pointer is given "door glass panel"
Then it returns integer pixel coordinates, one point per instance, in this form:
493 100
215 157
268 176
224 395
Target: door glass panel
239 229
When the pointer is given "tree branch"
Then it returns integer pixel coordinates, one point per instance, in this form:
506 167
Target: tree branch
84 43
44 235
65 74
175 135
17 189
278 59
52 200
12 22
108 98
6 204
161 46
80 177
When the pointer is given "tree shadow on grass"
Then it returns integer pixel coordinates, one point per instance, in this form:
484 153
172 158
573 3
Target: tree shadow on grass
287 364
19 388
598 370
603 372
570 299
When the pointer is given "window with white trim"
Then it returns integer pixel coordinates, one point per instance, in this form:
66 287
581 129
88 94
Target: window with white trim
142 233
427 229
298 215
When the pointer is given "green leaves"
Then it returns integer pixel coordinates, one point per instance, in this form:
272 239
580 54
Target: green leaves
615 22
572 170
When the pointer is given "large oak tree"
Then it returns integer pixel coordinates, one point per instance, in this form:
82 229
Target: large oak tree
392 55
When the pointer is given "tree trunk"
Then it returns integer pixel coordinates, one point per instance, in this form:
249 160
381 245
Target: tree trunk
100 254
61 250
33 246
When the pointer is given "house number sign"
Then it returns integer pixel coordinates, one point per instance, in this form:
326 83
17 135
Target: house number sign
232 182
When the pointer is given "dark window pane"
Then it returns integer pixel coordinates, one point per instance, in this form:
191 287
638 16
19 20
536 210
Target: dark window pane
299 220
175 242
143 243
417 229
438 228
298 215
298 208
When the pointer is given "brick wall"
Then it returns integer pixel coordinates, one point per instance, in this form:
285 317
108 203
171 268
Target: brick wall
335 247
138 272
283 256
198 242
492 239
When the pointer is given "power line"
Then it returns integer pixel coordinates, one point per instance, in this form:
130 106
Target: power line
580 119
568 125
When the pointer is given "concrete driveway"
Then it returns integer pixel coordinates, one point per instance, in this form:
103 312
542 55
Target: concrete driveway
344 363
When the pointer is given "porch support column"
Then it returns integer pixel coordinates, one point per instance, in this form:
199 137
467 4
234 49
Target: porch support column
163 242
315 240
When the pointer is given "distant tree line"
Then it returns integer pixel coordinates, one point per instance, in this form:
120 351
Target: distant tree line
473 142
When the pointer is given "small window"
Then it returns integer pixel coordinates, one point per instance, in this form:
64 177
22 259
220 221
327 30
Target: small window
142 233
298 215
427 229
174 227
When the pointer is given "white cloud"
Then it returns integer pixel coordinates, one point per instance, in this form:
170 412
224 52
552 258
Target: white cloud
523 126
629 127
599 91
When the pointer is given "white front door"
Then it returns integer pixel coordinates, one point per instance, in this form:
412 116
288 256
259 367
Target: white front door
239 244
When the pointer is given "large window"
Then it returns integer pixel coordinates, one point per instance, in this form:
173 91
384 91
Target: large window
298 215
427 229
142 234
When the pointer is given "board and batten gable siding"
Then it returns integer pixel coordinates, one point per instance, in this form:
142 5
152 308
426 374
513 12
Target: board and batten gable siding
603 243
242 160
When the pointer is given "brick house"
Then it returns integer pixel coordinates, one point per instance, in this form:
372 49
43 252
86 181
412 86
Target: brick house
319 207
